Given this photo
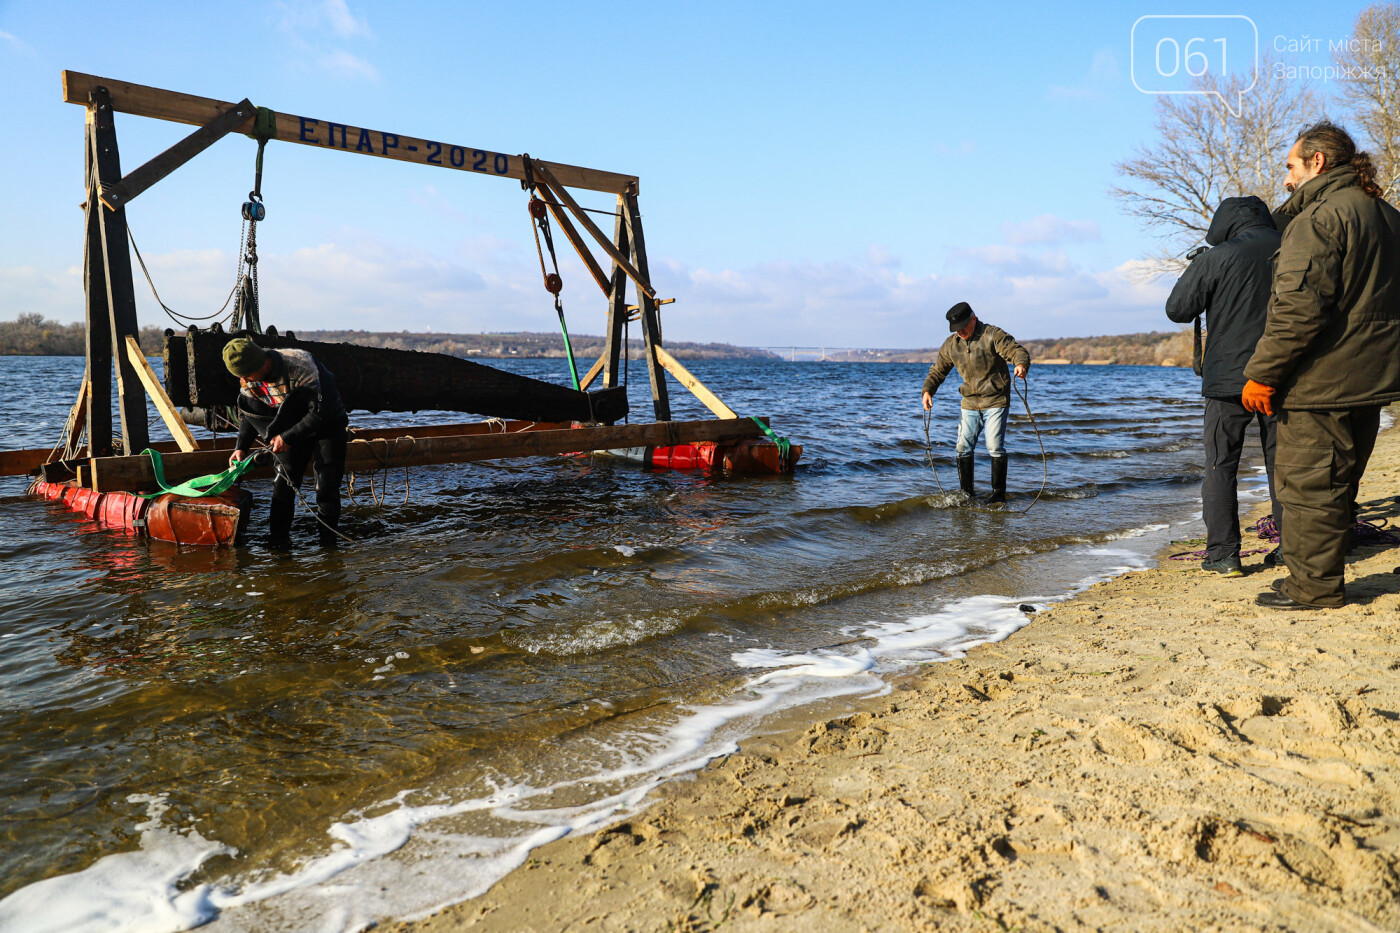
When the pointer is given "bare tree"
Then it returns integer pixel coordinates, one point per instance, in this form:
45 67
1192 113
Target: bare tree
1205 154
1368 67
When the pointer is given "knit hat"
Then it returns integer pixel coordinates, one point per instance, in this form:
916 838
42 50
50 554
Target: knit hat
243 357
958 316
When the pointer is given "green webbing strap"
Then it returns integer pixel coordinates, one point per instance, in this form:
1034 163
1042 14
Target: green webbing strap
264 128
784 445
210 485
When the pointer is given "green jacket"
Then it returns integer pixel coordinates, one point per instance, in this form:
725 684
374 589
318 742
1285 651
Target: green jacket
1332 339
981 361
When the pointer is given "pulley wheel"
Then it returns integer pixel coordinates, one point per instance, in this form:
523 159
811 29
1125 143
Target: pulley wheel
553 284
537 208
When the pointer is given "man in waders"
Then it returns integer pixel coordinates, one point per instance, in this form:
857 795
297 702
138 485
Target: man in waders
980 353
1330 355
1229 285
290 401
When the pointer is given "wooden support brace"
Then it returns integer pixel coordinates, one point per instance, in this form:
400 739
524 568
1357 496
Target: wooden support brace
138 180
593 371
543 171
168 412
564 224
77 420
696 387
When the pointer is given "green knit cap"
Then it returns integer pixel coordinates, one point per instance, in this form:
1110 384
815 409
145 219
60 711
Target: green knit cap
243 357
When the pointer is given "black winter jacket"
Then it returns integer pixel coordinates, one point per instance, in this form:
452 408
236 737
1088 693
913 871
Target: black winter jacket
1230 284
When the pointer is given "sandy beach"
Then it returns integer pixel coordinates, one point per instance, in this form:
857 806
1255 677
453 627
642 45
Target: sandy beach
1155 754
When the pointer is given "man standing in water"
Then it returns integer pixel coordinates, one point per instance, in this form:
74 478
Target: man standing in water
1229 284
980 353
1330 355
290 400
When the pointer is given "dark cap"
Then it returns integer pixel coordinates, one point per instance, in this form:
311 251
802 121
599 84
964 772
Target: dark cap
958 316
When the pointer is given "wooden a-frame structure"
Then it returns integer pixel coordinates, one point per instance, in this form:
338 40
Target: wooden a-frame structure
112 327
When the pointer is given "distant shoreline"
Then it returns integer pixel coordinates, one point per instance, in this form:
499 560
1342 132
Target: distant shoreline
32 335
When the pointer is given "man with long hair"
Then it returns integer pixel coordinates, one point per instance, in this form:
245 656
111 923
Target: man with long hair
1330 355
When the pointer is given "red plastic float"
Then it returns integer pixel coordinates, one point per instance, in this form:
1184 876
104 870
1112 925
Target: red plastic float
208 522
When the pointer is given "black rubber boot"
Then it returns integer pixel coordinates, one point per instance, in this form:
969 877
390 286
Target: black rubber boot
965 473
998 480
328 506
279 515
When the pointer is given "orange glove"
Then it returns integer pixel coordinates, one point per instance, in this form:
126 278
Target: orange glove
1258 397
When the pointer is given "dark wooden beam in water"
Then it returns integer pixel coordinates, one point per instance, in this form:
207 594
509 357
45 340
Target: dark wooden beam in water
382 379
366 455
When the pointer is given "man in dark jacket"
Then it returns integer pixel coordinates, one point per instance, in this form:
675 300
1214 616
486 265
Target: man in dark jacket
1229 284
290 400
980 353
1330 355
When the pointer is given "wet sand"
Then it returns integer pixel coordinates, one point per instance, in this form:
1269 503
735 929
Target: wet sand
1156 754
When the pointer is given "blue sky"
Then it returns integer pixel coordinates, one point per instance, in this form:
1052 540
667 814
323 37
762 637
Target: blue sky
811 173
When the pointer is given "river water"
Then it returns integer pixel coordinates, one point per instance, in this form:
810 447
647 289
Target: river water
518 649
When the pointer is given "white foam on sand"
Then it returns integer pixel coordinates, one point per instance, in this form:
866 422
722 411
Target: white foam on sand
451 851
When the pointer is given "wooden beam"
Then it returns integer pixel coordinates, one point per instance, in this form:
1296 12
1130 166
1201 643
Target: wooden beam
542 169
651 323
98 330
133 473
697 388
617 300
121 293
168 413
30 461
156 103
77 420
138 180
581 247
594 370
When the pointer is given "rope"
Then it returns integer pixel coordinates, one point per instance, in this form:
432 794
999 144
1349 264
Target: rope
181 319
1044 460
928 449
1024 392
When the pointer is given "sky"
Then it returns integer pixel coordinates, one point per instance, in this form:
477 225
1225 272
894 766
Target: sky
811 174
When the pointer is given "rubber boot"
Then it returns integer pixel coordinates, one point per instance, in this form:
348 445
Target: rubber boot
279 515
328 507
998 480
965 473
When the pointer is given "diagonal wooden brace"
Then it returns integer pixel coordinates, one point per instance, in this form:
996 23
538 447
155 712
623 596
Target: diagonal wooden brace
138 180
542 170
583 252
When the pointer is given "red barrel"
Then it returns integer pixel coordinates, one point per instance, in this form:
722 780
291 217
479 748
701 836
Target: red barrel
760 457
123 511
701 456
208 522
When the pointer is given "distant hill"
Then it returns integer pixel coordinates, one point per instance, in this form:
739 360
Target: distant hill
1150 349
525 345
33 335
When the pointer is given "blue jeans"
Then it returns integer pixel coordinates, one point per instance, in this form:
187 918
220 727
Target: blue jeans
971 425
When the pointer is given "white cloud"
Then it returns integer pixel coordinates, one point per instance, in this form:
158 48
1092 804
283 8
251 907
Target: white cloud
1103 73
346 64
1047 228
320 31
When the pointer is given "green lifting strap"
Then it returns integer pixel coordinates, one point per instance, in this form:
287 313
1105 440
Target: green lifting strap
200 486
784 445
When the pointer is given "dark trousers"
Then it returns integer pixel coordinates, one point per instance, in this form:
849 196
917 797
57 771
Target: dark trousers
1321 458
1225 423
328 454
